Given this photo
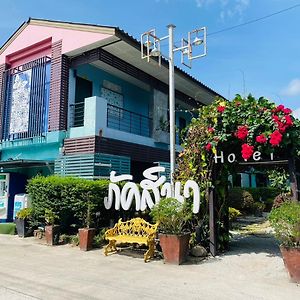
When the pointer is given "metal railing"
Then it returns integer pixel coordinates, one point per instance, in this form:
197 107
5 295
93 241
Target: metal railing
128 121
77 114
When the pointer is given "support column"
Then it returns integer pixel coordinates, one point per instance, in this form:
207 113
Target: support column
213 247
293 179
59 84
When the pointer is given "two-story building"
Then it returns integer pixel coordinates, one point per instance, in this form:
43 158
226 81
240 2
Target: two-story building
78 100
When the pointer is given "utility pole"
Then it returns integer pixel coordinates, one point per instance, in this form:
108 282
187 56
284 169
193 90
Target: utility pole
150 47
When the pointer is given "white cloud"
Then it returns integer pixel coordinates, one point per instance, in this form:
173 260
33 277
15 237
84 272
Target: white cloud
228 8
296 113
292 89
201 3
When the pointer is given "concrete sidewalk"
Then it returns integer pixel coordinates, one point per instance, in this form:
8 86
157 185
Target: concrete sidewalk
253 269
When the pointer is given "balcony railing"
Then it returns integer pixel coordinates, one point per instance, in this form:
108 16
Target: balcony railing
77 114
128 121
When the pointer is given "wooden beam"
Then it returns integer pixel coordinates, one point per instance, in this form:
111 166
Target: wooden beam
213 247
293 179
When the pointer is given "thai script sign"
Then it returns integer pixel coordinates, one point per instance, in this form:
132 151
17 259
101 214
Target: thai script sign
153 188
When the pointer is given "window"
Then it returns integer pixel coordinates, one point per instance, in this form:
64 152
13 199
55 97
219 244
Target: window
27 100
115 100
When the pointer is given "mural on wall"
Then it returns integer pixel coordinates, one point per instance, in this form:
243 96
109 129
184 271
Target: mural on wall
20 99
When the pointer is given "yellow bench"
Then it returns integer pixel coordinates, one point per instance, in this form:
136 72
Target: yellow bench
137 231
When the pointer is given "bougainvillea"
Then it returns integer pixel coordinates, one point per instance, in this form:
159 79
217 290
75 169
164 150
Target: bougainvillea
261 139
228 125
241 126
242 132
247 151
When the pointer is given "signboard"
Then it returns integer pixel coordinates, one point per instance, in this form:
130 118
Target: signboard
3 208
153 188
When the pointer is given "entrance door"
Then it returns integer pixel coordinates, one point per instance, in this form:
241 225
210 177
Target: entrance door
4 181
84 89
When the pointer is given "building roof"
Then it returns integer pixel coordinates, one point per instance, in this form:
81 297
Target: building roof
120 36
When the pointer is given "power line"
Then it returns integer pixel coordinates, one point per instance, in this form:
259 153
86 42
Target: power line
254 20
251 21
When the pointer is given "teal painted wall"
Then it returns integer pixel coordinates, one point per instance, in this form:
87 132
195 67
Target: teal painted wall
31 171
135 99
33 152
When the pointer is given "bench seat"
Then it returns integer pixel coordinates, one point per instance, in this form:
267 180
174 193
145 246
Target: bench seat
134 231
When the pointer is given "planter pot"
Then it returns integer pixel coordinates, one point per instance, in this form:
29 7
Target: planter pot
291 259
52 234
174 247
86 236
22 227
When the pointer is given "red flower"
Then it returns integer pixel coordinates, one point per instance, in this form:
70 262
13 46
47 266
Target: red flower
279 108
221 108
242 132
238 103
261 139
275 138
275 118
287 111
288 120
208 147
247 151
282 127
211 129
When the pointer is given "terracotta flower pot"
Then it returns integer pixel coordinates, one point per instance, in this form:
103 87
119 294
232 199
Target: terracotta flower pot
174 247
52 234
86 236
291 259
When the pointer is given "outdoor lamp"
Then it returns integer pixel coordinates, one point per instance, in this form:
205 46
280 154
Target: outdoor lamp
155 52
197 41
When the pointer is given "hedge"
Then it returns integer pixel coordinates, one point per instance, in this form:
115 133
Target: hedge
239 197
67 197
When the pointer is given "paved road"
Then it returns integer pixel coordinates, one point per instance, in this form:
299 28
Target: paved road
253 269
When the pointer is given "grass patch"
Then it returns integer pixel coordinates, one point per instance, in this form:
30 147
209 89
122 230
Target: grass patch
8 228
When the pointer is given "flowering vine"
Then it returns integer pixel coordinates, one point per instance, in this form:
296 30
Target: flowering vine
241 126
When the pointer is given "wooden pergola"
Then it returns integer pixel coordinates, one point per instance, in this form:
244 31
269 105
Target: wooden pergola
288 163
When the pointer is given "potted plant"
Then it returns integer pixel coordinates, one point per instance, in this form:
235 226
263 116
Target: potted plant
22 222
51 230
86 234
172 217
286 223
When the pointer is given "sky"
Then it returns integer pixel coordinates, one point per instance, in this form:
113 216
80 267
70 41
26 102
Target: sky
262 58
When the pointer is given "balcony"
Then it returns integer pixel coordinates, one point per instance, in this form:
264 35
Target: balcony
128 121
96 117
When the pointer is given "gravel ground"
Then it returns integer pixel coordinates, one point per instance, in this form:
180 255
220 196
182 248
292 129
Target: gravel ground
252 269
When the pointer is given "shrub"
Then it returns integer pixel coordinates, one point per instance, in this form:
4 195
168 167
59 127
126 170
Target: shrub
67 198
261 194
258 208
280 199
75 240
240 199
24 213
171 215
286 222
233 214
50 216
99 239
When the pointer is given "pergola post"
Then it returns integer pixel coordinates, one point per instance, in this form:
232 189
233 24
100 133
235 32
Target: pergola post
293 178
213 247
